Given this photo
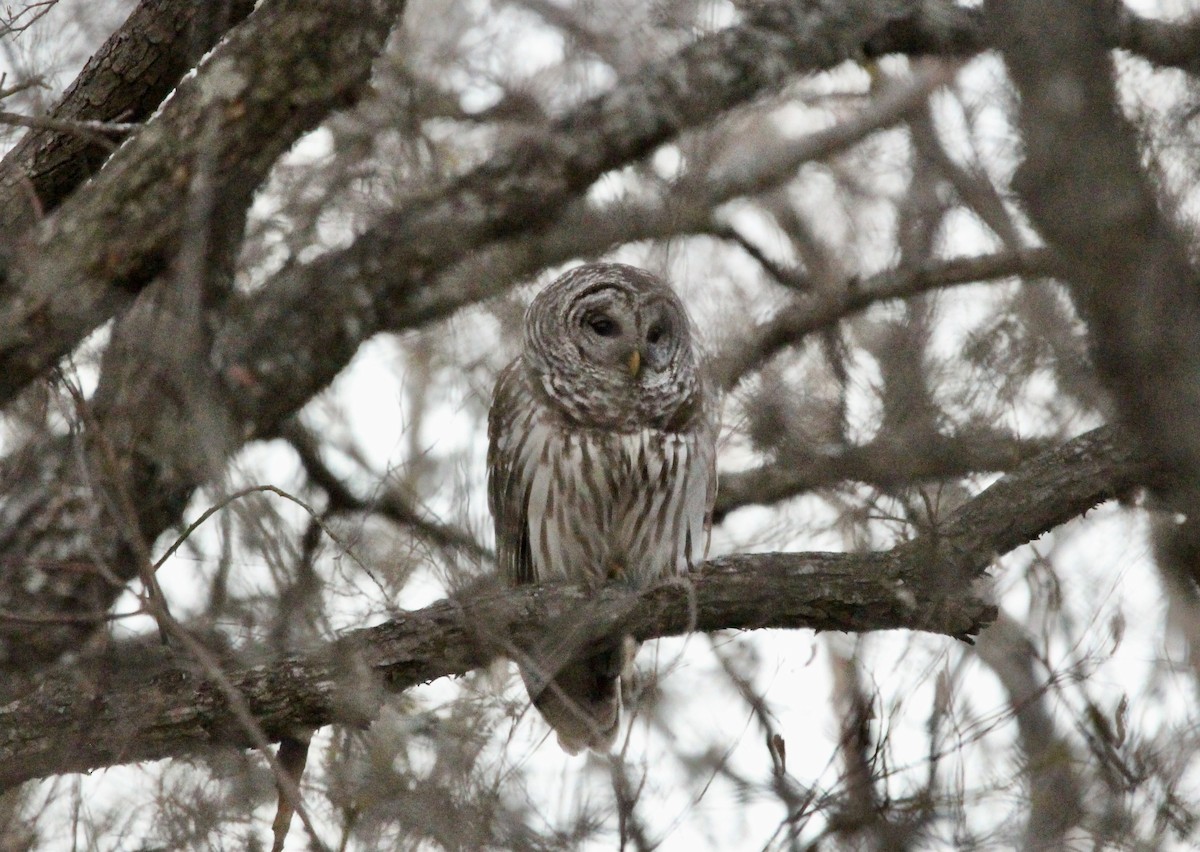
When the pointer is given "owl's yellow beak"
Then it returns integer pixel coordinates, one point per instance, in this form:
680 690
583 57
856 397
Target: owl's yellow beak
635 363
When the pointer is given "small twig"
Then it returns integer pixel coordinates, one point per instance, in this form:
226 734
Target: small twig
789 276
169 626
11 24
95 131
238 495
390 504
32 82
630 827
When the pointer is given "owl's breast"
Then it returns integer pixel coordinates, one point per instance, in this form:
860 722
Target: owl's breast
614 505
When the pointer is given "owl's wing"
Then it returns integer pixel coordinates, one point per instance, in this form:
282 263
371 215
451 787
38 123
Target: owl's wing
509 421
705 459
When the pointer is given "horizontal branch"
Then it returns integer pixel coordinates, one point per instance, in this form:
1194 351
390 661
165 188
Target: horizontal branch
812 312
950 29
884 462
162 706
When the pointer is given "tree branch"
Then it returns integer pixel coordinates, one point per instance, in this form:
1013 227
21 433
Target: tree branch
885 462
125 80
1124 261
277 350
1055 792
943 29
246 106
807 314
163 707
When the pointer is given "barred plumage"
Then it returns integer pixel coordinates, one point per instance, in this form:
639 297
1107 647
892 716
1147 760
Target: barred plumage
601 463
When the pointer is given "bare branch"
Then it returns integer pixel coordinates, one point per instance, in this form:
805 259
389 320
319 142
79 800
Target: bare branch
242 110
887 461
522 187
687 207
806 315
1124 261
389 503
12 23
944 29
166 708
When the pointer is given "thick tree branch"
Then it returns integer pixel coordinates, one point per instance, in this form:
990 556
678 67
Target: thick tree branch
685 208
276 75
944 29
165 707
1124 261
125 80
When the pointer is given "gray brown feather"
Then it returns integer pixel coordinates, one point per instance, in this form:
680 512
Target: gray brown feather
601 465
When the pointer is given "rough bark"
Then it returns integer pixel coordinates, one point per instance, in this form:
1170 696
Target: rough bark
276 75
124 81
164 706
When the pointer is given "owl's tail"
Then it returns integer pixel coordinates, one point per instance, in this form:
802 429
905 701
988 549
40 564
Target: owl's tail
582 703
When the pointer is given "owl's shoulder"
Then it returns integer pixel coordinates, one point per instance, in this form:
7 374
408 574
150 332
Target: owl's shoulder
520 404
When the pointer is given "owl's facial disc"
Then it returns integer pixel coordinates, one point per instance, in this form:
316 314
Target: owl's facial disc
609 334
630 341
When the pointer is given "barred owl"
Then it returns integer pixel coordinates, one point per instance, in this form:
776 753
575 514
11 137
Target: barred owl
601 465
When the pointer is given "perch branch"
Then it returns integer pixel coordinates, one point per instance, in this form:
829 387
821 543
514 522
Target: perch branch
161 706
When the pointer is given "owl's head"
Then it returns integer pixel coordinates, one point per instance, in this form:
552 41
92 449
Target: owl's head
612 347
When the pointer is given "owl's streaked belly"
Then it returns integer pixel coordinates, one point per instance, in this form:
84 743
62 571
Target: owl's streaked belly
605 506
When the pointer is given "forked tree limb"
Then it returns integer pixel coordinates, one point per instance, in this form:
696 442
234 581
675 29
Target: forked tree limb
274 77
163 706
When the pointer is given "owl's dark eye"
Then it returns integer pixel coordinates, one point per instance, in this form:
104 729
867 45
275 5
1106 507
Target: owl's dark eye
655 334
604 326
